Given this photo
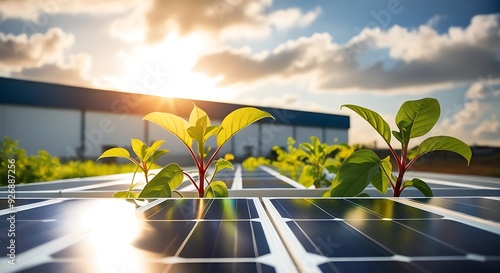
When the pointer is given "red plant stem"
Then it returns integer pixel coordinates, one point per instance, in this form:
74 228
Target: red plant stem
201 173
401 171
212 158
192 180
201 189
411 162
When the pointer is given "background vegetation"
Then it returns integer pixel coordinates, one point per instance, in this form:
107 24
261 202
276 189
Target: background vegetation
45 167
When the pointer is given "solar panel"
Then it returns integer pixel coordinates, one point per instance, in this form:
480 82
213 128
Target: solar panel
484 208
166 235
380 235
262 234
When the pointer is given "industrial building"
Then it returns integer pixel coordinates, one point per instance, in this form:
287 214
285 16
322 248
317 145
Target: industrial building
75 122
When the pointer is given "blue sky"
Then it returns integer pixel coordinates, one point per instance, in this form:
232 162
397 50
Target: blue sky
307 55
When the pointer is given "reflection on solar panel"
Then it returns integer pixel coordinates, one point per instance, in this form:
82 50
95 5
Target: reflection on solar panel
380 235
112 235
262 234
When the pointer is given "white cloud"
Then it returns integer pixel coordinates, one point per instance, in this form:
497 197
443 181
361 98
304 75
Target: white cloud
43 57
34 9
73 72
425 59
489 128
21 52
285 19
225 19
474 121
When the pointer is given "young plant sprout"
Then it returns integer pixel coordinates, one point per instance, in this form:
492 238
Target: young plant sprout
414 119
146 157
199 129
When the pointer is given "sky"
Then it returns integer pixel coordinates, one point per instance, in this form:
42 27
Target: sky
305 55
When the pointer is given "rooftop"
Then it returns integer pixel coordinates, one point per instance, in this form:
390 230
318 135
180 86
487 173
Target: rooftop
269 224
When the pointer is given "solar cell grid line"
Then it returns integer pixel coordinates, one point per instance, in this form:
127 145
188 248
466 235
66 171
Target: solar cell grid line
237 233
480 223
480 207
422 241
464 179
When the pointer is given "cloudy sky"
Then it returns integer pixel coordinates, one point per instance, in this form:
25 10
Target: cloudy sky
307 55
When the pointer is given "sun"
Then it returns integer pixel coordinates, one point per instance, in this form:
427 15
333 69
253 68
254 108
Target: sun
165 69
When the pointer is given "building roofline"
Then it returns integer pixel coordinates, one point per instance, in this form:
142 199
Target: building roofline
41 94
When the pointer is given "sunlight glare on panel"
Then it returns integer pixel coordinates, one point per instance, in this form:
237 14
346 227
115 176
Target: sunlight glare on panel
113 226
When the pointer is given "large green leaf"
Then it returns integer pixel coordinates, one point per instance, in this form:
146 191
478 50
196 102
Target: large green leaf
216 189
445 143
416 118
355 173
164 182
115 152
375 120
381 180
238 120
139 148
420 185
172 123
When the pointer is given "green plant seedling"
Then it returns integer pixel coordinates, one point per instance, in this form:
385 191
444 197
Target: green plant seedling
308 163
288 162
316 156
414 119
146 157
199 129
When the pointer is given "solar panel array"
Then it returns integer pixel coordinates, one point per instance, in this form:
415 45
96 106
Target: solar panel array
265 234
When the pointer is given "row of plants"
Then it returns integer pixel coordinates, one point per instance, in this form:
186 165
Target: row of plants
362 167
308 163
45 167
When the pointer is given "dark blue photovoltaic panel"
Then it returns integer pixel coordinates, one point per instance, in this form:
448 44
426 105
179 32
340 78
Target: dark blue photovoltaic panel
83 267
250 183
221 267
460 266
369 266
299 209
88 266
66 209
387 208
224 239
408 242
30 234
161 238
461 236
4 203
335 239
483 208
186 209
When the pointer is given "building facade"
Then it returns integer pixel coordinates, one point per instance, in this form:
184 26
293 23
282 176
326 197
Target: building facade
74 122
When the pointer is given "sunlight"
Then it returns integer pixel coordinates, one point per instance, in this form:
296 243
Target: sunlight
165 69
113 226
